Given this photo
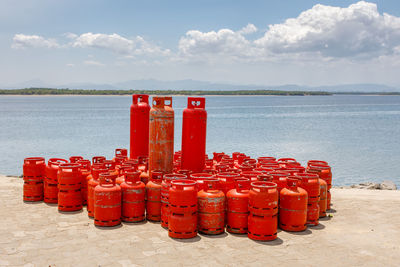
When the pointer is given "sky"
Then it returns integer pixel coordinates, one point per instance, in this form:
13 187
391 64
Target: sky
240 42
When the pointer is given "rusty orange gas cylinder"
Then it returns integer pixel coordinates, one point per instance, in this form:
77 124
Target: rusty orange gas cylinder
92 183
69 178
86 171
165 186
153 197
237 207
293 206
33 173
139 132
75 159
263 208
182 219
161 147
98 159
194 124
107 201
211 208
133 198
50 182
310 183
323 198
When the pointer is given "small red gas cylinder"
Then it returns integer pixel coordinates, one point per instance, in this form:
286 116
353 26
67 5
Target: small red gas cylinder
133 198
50 182
107 201
263 207
200 178
92 183
182 218
211 208
227 181
69 178
75 159
310 183
165 186
86 171
323 198
98 159
194 124
251 175
139 138
293 206
33 173
161 135
153 197
237 207
279 177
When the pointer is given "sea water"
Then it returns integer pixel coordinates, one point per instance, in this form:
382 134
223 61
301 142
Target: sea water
358 135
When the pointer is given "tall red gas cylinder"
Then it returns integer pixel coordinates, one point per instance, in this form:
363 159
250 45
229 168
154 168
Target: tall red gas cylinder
237 207
182 219
50 181
211 208
161 140
92 183
33 173
310 183
323 200
165 186
139 140
293 206
69 178
153 197
194 129
107 201
263 208
133 198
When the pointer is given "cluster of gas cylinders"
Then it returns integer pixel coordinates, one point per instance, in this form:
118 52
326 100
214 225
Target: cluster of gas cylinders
186 191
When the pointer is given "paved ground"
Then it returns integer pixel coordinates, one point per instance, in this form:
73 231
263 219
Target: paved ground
364 230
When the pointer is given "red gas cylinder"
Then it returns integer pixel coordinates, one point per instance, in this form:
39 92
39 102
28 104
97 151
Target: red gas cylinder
69 178
165 186
323 198
50 182
264 177
279 177
182 219
194 124
221 167
310 183
328 200
211 208
184 172
293 207
92 183
98 159
139 140
246 167
86 171
153 196
251 175
161 148
227 181
75 159
200 178
34 173
263 207
237 207
133 198
107 201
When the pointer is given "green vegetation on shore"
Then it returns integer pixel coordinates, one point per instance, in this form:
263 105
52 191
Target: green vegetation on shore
51 91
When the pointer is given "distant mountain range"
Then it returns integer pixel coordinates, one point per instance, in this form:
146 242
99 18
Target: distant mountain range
152 84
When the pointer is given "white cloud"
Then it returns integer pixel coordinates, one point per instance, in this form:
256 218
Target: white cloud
335 32
21 41
249 29
113 42
93 63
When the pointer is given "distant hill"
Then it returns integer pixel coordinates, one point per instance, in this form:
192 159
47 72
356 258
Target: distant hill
153 84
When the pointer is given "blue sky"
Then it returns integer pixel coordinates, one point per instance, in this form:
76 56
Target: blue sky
246 42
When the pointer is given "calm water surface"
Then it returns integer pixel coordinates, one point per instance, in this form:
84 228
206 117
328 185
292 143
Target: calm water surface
357 135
